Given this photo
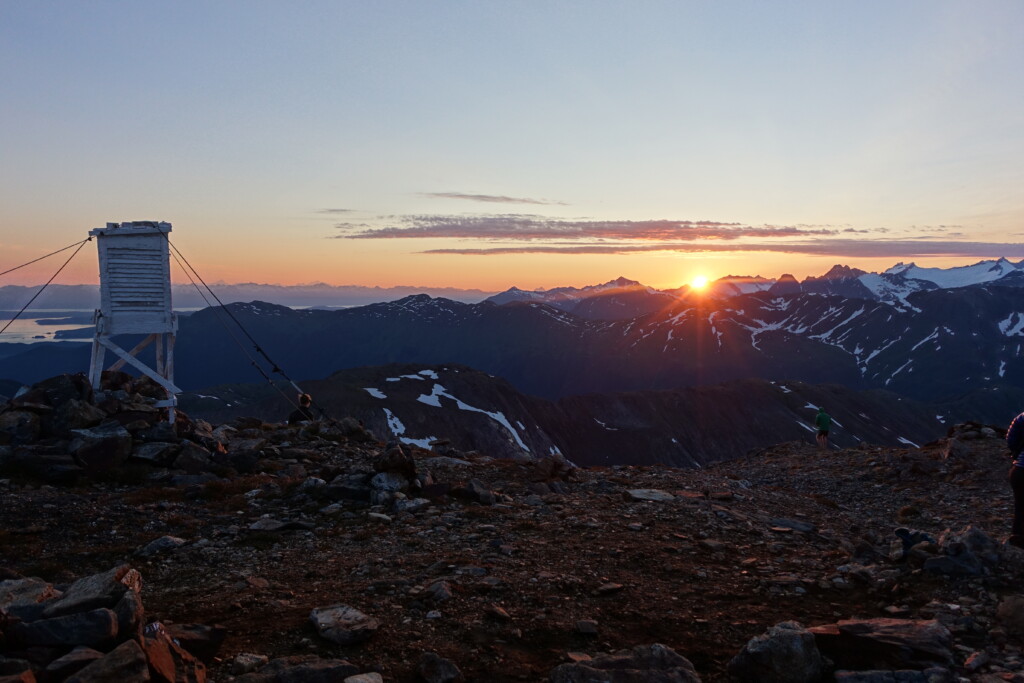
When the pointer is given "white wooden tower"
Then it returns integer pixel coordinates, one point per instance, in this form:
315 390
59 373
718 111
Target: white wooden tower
135 298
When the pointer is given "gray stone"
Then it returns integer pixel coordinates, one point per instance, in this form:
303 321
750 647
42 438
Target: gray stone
438 591
168 661
412 506
246 662
860 644
101 448
245 445
24 598
202 640
95 628
160 545
193 458
130 615
933 675
643 664
342 624
794 524
650 494
365 678
193 479
389 481
271 524
99 590
77 659
157 452
73 414
478 491
954 449
785 653
56 468
1011 614
19 426
446 461
973 540
434 668
311 484
960 565
301 669
126 662
396 459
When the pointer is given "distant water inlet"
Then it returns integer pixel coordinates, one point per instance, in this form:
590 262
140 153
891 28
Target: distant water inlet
43 326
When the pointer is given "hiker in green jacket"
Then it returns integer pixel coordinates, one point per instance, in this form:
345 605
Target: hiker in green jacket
822 421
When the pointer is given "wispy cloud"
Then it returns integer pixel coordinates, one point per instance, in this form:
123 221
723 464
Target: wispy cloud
491 198
827 247
335 211
519 227
532 234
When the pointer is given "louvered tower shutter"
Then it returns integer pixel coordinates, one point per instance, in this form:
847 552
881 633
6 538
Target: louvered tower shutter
135 278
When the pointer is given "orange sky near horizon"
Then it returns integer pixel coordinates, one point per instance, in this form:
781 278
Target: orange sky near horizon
380 264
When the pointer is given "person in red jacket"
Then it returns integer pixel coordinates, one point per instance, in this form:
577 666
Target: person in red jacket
1015 442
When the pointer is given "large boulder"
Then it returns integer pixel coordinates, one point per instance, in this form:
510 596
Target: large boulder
24 598
19 427
398 460
933 675
389 481
201 640
1010 613
861 644
130 615
301 669
127 662
193 458
99 590
342 624
785 653
643 664
157 453
48 462
95 628
77 659
433 668
169 662
73 414
101 448
63 388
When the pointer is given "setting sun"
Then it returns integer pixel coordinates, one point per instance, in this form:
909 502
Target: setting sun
699 282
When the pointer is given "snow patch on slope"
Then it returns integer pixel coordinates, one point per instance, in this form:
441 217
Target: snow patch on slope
434 399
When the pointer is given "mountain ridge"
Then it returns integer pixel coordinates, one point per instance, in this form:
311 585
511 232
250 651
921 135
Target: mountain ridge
691 427
938 346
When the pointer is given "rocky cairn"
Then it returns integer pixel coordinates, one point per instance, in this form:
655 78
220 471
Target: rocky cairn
95 629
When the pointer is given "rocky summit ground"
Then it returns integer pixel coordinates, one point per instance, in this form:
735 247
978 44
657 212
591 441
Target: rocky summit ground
507 570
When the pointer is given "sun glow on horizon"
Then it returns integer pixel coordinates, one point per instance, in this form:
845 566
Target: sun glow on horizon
699 282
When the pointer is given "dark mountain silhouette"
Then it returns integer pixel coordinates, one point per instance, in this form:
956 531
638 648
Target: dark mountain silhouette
87 297
618 299
690 427
786 285
944 346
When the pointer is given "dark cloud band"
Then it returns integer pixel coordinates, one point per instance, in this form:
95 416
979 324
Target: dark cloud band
491 198
535 228
841 248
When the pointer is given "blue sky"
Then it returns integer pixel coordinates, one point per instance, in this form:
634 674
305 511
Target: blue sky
527 143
